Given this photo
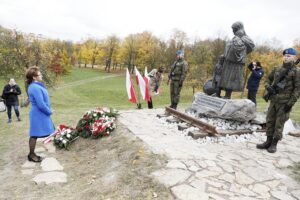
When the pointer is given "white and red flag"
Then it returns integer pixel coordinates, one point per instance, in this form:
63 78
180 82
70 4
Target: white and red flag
147 80
130 89
141 83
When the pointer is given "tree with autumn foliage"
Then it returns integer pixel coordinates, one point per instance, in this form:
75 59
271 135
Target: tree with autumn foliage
111 47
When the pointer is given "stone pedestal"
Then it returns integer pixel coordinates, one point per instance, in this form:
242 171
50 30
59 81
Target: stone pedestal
242 110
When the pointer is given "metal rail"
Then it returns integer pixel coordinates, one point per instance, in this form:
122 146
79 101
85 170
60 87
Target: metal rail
193 121
210 129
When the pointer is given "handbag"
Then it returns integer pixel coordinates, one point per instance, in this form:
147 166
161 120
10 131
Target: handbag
2 106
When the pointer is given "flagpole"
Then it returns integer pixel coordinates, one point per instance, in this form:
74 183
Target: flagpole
139 105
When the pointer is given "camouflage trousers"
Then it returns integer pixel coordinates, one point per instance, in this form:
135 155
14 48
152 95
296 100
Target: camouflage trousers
276 117
175 92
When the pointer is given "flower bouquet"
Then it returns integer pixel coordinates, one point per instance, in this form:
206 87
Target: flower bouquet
103 127
64 136
88 124
94 123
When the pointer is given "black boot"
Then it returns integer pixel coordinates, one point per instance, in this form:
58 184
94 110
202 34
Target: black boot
150 104
273 147
266 144
175 106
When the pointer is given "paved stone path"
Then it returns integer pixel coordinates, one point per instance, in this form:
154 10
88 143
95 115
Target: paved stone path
234 171
49 170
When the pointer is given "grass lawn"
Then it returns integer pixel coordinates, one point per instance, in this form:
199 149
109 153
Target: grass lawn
106 92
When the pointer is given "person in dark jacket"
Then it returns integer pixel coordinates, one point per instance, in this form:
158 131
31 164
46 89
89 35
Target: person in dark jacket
10 94
254 79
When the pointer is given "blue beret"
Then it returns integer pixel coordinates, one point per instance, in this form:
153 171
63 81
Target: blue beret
290 51
179 52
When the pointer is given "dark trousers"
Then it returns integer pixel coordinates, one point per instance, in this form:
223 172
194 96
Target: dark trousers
150 103
16 108
252 95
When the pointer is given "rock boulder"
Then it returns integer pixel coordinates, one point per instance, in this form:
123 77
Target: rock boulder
242 110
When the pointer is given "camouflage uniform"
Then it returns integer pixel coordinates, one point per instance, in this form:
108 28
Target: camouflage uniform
287 96
177 75
156 78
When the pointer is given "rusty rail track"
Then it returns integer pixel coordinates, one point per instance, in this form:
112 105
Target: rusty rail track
193 121
210 129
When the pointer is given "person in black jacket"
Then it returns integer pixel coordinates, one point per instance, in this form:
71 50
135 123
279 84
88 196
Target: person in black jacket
10 94
254 79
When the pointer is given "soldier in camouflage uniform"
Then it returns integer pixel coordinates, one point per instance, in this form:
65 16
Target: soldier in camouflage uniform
284 97
177 75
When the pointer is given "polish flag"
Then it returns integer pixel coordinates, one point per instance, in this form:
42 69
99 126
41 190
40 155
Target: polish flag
60 128
130 89
147 80
48 139
141 83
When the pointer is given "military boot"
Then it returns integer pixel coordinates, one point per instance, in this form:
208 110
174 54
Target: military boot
175 106
273 147
266 144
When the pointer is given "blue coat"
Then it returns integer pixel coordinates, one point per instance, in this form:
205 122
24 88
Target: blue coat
41 124
254 79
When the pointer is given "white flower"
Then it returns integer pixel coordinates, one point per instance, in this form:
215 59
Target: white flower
64 141
60 138
68 135
68 131
106 110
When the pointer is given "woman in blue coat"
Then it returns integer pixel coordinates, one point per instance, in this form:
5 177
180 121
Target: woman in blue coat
254 79
41 124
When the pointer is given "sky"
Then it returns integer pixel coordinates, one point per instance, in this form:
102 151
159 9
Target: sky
273 21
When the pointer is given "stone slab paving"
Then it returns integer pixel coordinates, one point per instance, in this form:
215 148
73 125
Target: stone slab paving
234 171
48 171
51 177
27 171
51 164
